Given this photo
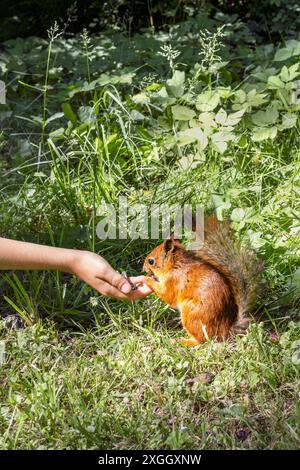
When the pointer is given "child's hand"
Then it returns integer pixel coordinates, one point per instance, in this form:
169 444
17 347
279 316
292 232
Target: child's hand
97 272
88 266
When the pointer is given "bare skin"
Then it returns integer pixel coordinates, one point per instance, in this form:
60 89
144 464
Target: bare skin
87 266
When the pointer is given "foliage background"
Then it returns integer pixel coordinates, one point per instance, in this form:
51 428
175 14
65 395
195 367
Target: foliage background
269 19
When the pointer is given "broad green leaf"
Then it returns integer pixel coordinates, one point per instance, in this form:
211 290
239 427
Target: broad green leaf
228 120
282 54
220 205
237 214
256 99
163 98
240 96
255 239
207 119
105 79
175 85
296 357
203 126
225 92
234 118
141 98
69 113
207 101
263 74
154 87
289 120
294 46
249 100
86 114
53 117
264 133
289 74
243 142
136 115
191 135
220 139
221 117
274 83
264 118
57 133
190 162
284 74
182 113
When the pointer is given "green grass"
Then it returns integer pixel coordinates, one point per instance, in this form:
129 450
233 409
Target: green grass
78 371
125 386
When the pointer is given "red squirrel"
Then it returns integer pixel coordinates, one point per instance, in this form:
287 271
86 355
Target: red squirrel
213 288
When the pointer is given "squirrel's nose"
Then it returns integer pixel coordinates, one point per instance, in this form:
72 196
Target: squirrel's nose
145 267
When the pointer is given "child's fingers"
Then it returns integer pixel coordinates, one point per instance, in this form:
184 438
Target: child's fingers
115 279
108 290
140 292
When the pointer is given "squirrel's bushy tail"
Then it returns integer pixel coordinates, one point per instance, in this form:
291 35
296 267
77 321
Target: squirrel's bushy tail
238 265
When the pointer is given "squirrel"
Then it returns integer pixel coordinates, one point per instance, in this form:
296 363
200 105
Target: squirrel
213 287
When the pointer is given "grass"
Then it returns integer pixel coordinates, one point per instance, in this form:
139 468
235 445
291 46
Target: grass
78 371
125 386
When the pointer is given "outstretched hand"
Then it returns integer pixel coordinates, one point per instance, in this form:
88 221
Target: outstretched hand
99 274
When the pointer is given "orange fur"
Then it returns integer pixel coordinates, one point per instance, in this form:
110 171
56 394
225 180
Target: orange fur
206 295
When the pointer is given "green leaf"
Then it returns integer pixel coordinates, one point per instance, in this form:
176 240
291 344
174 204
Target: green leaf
141 98
191 135
243 142
175 85
86 114
163 98
228 120
256 239
53 117
264 118
251 99
289 74
289 120
136 115
282 54
274 83
237 214
264 133
220 139
57 133
220 205
154 87
207 119
182 113
240 96
256 99
296 357
69 113
294 46
207 101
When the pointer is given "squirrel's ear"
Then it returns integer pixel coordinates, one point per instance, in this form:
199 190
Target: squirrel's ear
171 244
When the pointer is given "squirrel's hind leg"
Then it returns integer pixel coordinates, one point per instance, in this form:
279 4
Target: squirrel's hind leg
187 341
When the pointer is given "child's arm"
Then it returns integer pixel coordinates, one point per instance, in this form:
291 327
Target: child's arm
88 266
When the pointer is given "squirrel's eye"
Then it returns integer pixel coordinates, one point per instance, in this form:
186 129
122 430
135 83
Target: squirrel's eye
151 261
